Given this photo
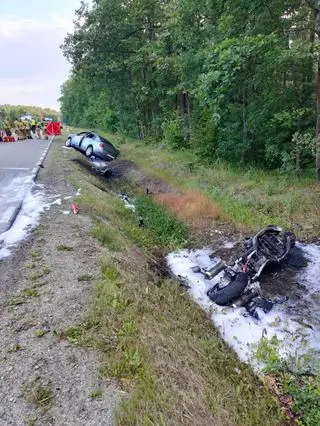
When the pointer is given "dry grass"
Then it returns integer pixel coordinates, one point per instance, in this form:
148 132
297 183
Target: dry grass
38 393
191 206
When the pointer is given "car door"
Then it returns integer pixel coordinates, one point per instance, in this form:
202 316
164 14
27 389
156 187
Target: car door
86 141
95 141
77 139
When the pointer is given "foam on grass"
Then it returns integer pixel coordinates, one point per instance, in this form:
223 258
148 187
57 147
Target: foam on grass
240 330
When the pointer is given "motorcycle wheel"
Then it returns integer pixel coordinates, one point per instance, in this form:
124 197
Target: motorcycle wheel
231 291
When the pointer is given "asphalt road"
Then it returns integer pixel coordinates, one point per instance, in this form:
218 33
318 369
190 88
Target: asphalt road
17 162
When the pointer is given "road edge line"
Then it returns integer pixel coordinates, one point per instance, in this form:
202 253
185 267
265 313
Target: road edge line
36 169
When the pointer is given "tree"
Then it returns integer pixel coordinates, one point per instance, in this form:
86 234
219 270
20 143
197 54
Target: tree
231 79
15 111
315 7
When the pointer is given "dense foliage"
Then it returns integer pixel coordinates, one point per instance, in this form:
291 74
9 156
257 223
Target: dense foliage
15 111
230 79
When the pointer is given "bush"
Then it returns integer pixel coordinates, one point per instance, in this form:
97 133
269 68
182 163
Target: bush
172 132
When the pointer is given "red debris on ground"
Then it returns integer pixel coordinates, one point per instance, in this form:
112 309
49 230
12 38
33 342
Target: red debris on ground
74 208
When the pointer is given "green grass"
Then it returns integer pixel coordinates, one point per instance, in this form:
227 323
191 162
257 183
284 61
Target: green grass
15 300
36 255
30 265
40 333
249 198
38 393
105 235
110 271
165 227
159 226
30 420
15 348
164 350
97 393
30 292
74 335
85 277
293 378
64 247
39 273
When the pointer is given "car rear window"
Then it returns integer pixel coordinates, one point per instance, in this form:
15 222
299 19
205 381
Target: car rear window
104 140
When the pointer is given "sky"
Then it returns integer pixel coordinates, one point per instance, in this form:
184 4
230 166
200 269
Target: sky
32 65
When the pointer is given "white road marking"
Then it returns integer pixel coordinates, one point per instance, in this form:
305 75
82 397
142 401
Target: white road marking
7 214
14 168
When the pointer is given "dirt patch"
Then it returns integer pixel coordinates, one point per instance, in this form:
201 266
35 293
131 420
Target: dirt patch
128 173
40 295
193 207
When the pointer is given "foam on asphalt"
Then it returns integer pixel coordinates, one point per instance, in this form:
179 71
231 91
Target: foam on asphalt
19 165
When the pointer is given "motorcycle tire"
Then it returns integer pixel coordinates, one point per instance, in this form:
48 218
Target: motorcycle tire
231 291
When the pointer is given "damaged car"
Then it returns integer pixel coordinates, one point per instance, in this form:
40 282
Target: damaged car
98 150
237 284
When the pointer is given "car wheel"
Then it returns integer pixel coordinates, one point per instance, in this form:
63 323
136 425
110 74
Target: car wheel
68 142
89 151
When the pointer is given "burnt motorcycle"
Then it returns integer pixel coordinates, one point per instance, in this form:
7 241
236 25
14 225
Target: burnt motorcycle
237 284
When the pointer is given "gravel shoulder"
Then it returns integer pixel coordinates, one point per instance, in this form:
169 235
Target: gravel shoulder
46 380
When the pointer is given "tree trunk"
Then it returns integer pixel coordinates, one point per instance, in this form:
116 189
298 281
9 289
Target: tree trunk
246 143
244 118
298 158
317 30
318 123
184 106
312 37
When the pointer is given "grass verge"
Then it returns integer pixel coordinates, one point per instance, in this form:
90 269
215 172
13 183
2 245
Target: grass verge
154 340
292 379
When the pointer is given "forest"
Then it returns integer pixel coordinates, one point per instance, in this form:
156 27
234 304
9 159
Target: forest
12 112
230 80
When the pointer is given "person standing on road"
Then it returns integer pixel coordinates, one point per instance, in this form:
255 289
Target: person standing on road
25 129
39 127
21 129
44 129
33 126
15 129
6 126
16 125
28 129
